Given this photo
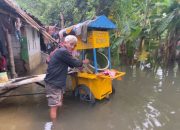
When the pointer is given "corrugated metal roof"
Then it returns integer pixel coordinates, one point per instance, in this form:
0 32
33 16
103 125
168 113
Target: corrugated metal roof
9 5
102 22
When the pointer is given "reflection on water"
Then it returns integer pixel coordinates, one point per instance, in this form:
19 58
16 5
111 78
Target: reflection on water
48 126
159 76
154 118
145 99
159 73
151 118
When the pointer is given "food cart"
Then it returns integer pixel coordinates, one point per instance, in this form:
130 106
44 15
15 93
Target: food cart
96 84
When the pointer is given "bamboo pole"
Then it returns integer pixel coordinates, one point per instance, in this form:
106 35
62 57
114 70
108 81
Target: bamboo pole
14 83
11 56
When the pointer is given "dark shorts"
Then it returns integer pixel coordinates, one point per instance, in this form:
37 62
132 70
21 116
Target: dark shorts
54 95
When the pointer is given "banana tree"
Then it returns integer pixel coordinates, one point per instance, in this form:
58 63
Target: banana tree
167 27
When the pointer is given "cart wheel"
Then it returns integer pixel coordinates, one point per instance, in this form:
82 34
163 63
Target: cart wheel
107 97
113 90
84 93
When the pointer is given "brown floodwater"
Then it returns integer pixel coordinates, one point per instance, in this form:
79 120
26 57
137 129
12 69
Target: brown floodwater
145 99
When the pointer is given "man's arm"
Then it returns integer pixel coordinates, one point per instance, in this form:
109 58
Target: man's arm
67 58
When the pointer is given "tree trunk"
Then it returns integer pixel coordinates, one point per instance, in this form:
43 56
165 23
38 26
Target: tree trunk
61 20
172 39
11 56
141 45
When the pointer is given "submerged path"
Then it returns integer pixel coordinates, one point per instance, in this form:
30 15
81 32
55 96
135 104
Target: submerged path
144 100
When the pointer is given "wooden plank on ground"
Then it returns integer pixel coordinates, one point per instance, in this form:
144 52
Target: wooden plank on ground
22 81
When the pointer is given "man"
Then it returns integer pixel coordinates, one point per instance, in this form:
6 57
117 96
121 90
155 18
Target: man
3 64
57 72
18 25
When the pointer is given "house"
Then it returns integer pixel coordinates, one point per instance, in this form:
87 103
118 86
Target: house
23 45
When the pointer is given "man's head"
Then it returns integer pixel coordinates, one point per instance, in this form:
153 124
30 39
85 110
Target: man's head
70 42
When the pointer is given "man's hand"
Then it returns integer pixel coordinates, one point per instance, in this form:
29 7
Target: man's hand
86 61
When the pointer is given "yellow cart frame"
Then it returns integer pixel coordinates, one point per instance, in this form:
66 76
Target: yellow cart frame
97 85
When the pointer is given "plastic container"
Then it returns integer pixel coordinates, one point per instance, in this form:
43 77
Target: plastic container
3 77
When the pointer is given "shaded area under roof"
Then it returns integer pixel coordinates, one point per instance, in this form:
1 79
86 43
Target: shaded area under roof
102 22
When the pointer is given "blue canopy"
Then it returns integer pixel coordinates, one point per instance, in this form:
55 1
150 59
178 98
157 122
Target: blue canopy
102 22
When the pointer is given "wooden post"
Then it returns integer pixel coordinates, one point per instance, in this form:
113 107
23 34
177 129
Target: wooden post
11 56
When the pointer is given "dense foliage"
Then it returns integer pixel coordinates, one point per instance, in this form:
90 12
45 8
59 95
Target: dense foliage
144 26
74 11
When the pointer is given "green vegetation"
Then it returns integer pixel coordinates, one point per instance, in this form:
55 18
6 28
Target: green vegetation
73 11
149 29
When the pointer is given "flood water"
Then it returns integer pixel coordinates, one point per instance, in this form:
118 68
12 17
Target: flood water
144 100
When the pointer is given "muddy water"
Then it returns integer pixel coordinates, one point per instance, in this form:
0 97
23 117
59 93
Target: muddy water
144 100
